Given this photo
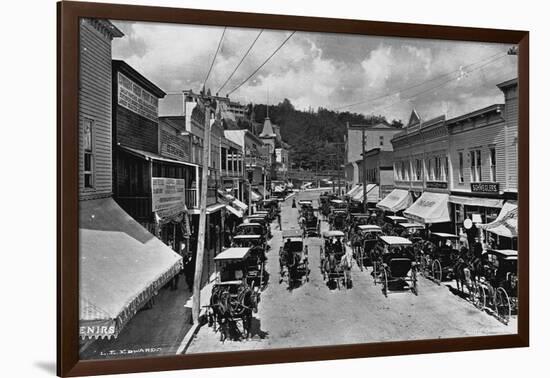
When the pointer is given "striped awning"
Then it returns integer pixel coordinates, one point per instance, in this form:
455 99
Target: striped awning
506 223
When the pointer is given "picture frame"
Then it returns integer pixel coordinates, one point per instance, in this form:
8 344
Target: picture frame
69 13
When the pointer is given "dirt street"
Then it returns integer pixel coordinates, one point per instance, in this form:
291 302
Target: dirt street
314 315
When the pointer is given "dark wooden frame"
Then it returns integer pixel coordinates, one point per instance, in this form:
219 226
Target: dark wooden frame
68 13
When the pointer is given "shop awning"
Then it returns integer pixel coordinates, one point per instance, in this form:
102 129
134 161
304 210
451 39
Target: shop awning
373 193
506 223
232 201
429 208
398 199
353 190
234 211
476 201
239 205
152 156
121 266
213 208
255 196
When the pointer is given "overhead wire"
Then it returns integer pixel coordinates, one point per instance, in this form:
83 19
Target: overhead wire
263 64
241 61
214 59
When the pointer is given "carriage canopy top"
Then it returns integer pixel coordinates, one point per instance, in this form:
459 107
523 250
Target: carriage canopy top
508 254
291 233
233 254
410 225
397 219
332 234
247 237
445 235
370 228
395 240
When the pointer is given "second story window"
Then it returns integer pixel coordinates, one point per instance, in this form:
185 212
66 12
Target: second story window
461 167
381 140
493 163
418 170
475 165
88 146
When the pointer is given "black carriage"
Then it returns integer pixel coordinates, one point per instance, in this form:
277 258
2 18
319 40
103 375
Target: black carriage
366 237
334 267
496 288
252 228
234 296
393 264
271 205
337 220
293 259
257 257
262 220
439 257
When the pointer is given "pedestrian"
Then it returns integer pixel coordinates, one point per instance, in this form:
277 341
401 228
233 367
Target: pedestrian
279 221
478 249
293 203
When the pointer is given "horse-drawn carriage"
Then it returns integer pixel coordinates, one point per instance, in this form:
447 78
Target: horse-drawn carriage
410 230
364 241
336 261
439 257
257 257
262 220
252 228
393 264
234 295
271 206
495 288
337 219
293 259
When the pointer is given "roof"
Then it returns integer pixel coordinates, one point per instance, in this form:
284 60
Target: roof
395 217
395 240
336 201
125 68
232 254
495 108
108 26
267 131
445 235
508 83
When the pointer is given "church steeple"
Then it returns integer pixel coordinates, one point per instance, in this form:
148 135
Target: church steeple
267 131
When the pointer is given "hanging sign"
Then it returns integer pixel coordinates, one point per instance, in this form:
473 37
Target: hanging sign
168 196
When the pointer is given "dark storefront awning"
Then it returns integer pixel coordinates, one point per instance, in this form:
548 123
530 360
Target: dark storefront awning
476 201
506 223
152 156
121 267
397 200
429 208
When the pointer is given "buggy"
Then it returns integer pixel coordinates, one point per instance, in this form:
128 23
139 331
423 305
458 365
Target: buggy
335 261
293 259
393 264
439 257
367 236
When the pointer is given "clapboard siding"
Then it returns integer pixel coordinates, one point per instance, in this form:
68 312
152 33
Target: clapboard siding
95 104
482 135
136 131
511 112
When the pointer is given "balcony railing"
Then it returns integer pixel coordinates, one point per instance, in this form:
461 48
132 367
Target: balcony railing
191 198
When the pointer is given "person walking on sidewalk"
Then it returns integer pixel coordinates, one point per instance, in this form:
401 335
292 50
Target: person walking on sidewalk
279 221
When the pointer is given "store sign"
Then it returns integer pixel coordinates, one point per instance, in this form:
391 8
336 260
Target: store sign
168 196
436 184
484 187
133 97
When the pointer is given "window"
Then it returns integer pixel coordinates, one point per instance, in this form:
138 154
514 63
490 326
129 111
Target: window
460 167
429 174
493 162
418 170
381 140
437 168
88 153
475 165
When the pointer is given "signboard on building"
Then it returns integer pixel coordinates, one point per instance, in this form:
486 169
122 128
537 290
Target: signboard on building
484 187
168 196
133 97
436 184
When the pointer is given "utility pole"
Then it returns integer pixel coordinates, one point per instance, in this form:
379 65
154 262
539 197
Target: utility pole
364 170
339 169
202 218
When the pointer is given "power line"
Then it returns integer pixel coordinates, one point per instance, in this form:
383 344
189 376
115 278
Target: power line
213 60
439 85
260 67
461 68
242 59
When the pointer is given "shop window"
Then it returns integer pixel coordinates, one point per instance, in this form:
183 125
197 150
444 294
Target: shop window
461 167
88 153
493 163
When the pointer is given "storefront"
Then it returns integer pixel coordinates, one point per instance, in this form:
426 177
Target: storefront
477 209
397 200
502 233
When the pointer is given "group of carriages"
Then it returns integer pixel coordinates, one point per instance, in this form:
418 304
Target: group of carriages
241 276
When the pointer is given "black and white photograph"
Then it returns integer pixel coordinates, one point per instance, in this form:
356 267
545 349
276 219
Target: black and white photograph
248 189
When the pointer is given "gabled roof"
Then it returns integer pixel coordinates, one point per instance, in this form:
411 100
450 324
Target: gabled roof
414 118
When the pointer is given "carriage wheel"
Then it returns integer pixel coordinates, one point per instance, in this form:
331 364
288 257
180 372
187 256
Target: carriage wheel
479 296
385 282
307 270
374 272
437 272
424 266
414 282
503 307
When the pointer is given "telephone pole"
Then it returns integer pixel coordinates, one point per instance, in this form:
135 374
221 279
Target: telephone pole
202 218
364 170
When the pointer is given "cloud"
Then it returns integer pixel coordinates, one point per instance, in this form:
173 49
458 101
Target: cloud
387 76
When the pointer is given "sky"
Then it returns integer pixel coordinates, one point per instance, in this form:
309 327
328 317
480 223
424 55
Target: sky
363 74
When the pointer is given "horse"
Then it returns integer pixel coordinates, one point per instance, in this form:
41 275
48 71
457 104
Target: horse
338 269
